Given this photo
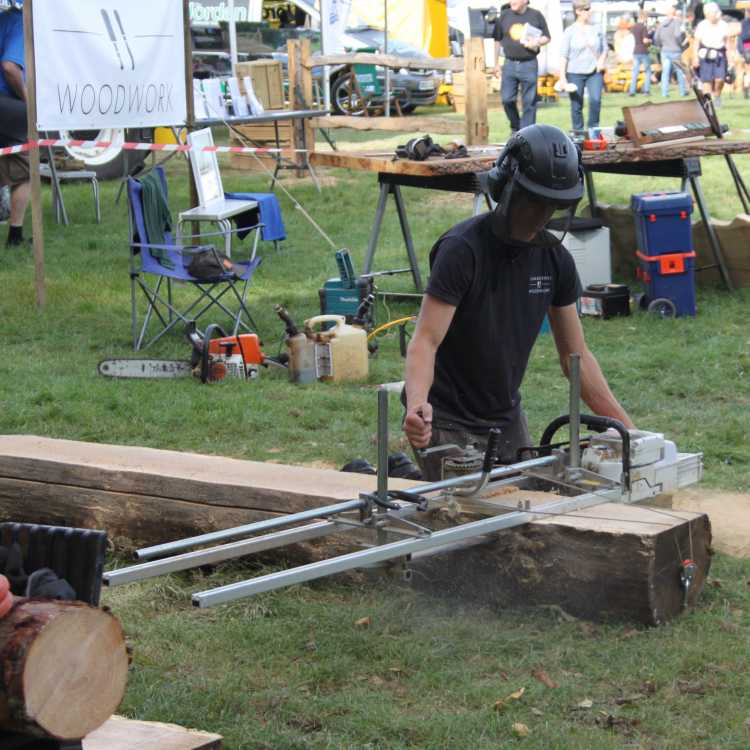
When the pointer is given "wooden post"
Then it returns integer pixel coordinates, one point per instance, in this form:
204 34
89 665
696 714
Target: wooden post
300 97
190 124
477 129
37 228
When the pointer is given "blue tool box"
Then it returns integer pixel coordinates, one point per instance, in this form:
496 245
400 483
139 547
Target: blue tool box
662 222
671 277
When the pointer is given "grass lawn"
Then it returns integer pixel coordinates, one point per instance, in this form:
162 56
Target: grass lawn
290 669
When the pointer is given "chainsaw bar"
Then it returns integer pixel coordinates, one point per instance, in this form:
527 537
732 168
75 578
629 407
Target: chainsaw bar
145 368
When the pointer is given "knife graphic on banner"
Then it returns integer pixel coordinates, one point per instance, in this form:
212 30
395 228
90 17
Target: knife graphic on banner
111 33
124 38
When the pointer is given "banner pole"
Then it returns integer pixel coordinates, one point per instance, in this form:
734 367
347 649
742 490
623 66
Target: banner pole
190 123
37 228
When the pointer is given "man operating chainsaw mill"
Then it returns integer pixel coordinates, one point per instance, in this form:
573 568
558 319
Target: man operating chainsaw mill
493 278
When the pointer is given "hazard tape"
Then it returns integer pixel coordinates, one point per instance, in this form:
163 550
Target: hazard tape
127 146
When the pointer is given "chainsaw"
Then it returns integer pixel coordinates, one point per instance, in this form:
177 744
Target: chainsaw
215 357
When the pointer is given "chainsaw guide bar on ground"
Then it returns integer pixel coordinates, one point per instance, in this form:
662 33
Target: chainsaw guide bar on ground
144 368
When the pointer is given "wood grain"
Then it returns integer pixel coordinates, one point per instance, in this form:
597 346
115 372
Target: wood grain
387 61
414 125
64 668
126 734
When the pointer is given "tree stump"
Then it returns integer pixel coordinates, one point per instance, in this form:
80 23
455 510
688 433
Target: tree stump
63 668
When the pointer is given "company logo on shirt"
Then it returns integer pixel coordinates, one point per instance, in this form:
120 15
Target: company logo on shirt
540 284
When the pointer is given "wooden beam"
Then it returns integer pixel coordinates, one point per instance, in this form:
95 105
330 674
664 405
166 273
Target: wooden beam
438 125
477 129
37 223
387 61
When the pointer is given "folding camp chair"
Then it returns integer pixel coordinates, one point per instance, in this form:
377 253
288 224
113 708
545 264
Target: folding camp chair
168 263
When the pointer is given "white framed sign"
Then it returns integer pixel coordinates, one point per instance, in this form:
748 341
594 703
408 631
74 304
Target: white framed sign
109 64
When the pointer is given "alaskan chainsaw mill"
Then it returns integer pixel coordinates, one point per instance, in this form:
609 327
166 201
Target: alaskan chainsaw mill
612 465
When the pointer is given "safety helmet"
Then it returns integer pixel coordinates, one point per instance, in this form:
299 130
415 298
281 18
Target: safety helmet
542 161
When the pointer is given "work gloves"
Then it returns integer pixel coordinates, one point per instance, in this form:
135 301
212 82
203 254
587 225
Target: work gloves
41 584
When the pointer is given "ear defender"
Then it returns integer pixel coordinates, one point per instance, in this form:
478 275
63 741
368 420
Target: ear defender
500 174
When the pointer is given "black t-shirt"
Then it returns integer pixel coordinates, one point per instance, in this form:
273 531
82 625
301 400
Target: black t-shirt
501 293
509 30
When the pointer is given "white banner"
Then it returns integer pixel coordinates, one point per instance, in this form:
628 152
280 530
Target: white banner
109 64
334 19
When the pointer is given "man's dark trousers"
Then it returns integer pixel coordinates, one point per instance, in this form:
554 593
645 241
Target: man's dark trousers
519 74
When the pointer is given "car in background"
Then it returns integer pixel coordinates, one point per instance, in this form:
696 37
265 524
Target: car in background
409 87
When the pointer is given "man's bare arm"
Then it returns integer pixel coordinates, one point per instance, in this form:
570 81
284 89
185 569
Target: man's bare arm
433 322
595 391
14 76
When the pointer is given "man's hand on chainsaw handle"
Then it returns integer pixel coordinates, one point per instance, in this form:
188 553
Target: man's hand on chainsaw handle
418 425
6 598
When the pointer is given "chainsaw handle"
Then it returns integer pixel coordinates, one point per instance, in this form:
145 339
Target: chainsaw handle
207 336
602 424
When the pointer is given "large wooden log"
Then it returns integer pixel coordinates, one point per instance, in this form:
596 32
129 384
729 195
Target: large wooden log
611 561
64 668
148 496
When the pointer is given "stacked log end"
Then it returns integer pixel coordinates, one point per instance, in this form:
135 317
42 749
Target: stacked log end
63 669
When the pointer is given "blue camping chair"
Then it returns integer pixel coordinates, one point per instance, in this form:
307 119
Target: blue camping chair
145 263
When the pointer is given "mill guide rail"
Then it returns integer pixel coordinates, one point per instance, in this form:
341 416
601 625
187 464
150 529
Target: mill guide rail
613 465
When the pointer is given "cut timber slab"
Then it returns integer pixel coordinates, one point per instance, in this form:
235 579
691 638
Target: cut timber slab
611 561
126 734
150 496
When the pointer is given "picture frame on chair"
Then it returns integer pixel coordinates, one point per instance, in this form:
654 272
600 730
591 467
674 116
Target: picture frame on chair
205 166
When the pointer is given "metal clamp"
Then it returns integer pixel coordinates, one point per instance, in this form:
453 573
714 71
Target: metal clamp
688 569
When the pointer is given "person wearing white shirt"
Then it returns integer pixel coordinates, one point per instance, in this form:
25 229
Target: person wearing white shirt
710 57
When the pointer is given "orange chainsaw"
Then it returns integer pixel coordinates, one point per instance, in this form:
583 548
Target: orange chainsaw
215 357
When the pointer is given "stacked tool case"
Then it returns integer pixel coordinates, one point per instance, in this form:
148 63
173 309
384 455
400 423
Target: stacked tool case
665 248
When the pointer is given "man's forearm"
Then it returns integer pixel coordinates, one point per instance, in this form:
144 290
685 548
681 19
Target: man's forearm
14 76
596 393
420 372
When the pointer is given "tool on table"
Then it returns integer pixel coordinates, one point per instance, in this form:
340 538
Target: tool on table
215 357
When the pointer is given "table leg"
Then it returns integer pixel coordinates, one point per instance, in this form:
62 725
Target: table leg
591 192
375 233
713 240
225 226
401 208
278 153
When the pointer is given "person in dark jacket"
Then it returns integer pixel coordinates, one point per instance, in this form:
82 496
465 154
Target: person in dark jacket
641 54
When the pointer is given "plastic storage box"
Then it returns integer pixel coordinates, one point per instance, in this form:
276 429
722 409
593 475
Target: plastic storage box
662 222
671 278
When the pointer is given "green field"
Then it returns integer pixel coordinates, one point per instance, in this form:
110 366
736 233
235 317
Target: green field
290 669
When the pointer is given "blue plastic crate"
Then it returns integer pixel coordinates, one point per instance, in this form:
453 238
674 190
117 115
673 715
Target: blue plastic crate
662 222
670 277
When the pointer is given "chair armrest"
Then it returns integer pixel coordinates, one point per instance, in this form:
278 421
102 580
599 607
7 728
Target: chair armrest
190 249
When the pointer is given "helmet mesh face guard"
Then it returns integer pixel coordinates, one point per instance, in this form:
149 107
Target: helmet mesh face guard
539 170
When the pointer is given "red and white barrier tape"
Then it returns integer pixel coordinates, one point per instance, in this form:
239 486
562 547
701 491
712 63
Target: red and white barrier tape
57 143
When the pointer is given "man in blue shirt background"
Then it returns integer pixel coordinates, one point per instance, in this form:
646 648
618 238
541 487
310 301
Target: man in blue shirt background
14 170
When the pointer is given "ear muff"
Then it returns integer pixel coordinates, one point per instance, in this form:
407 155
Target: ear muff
500 174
